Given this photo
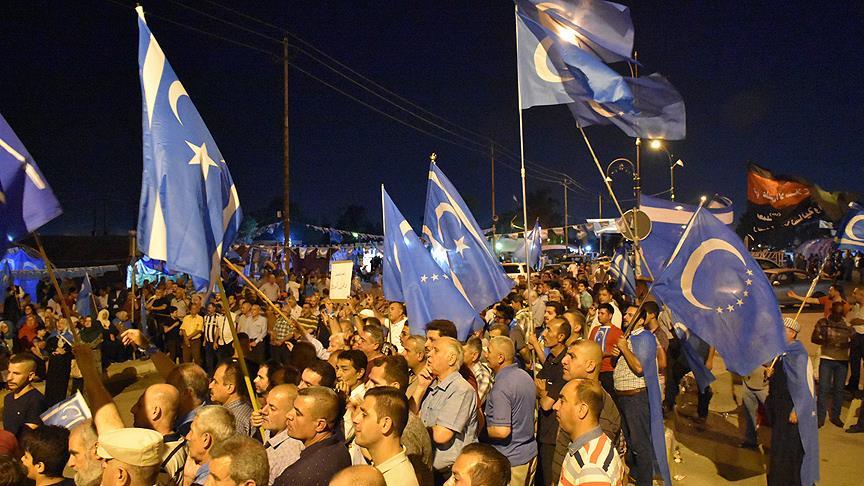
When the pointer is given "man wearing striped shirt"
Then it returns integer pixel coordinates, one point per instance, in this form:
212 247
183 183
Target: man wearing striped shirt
217 338
591 458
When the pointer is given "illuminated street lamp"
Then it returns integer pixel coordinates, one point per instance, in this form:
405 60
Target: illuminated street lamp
658 145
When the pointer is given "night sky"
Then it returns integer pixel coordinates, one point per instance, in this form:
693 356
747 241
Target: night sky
777 84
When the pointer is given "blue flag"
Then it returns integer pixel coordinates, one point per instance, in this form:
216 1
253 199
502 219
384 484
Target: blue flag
85 302
428 292
560 58
459 245
690 342
656 110
622 269
799 375
26 199
852 234
68 413
535 248
668 219
716 288
644 346
189 211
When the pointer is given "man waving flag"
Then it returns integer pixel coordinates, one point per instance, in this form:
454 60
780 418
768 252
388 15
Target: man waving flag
412 276
26 199
189 211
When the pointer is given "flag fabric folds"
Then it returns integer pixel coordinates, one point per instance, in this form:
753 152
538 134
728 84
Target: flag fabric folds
689 344
84 305
622 269
644 346
26 199
559 58
852 233
189 210
68 413
799 374
656 110
713 285
668 219
427 291
460 246
535 248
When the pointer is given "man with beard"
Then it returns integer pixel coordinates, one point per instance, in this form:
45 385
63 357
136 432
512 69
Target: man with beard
82 455
24 403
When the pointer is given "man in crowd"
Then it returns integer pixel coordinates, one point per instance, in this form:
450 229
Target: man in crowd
192 382
227 388
392 371
833 335
549 382
510 412
319 373
592 458
473 353
379 422
855 317
270 288
313 421
212 425
606 335
190 331
238 461
604 296
82 454
217 338
350 383
394 323
450 407
359 475
45 455
156 409
130 456
256 329
24 403
480 465
370 341
414 352
281 449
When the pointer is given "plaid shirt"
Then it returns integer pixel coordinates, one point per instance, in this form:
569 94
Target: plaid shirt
281 330
484 379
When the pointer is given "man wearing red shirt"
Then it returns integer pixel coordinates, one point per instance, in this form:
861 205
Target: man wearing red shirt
606 335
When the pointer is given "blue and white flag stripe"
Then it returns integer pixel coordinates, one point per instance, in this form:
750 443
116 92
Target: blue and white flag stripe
852 234
68 413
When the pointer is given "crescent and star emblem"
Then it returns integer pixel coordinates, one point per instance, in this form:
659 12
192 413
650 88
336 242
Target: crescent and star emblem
850 229
692 266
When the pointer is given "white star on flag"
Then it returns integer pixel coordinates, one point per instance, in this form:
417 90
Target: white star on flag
424 278
201 158
461 246
434 277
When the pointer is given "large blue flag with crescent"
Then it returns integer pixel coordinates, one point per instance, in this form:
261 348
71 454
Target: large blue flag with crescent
84 305
189 211
26 199
719 292
563 47
428 292
852 234
459 245
668 219
690 342
622 269
799 375
535 247
68 413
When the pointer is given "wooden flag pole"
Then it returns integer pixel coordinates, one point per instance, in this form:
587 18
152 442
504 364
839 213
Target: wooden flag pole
67 313
239 350
258 291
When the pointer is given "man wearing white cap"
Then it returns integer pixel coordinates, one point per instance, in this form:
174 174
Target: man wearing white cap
132 456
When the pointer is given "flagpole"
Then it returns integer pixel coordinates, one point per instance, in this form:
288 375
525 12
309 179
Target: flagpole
637 248
813 285
67 313
134 251
524 191
241 360
256 289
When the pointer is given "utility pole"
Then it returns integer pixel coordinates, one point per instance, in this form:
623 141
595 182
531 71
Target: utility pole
494 214
286 162
566 228
600 216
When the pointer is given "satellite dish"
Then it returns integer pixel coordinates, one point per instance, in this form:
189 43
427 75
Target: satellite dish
637 222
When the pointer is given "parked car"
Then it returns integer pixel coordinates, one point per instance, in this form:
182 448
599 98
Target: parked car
786 279
515 269
767 264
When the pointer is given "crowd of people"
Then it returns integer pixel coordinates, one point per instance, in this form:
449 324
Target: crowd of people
286 387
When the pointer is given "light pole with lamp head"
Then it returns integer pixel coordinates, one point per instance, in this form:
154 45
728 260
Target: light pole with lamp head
658 145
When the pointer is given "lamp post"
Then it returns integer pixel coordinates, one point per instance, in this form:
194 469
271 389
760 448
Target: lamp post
658 145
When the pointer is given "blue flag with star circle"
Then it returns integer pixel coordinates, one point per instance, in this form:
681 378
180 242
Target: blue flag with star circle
189 211
718 291
412 276
459 245
852 234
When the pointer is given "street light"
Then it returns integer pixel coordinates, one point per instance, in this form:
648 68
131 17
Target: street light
658 145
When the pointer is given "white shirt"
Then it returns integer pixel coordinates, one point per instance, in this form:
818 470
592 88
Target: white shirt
356 394
395 335
271 290
856 312
294 288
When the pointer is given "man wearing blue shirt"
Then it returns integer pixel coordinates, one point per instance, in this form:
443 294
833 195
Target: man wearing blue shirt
510 412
